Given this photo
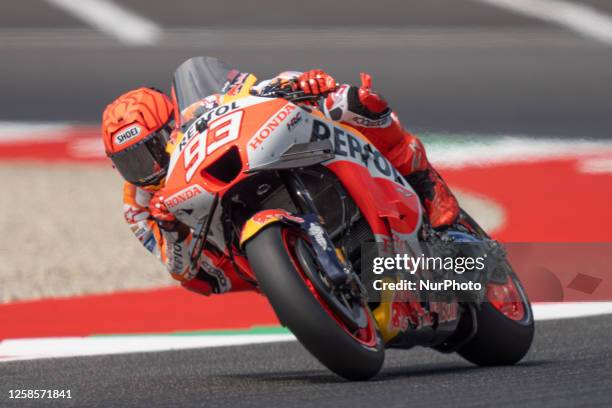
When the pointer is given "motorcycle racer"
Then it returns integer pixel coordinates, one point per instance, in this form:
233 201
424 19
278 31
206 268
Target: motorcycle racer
137 126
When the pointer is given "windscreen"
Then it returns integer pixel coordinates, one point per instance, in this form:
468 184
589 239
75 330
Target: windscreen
199 77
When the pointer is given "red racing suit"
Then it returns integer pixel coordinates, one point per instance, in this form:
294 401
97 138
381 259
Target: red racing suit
216 274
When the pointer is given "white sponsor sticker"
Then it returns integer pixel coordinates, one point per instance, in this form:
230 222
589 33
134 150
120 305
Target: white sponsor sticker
127 134
318 234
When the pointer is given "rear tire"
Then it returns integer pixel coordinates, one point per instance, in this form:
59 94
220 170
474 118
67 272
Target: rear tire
299 309
500 340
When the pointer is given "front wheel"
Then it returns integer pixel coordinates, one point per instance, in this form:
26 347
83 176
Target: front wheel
504 325
352 354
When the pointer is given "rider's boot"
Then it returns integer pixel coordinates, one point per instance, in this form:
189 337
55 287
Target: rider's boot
439 202
406 152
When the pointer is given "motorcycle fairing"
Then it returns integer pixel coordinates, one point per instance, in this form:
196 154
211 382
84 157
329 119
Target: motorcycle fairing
270 127
262 219
376 186
202 145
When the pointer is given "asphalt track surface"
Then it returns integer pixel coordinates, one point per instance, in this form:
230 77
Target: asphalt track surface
454 66
568 366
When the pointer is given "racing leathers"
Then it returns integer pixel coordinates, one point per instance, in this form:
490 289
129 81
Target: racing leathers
358 107
170 244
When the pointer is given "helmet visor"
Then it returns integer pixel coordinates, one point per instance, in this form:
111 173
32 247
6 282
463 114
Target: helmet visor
146 162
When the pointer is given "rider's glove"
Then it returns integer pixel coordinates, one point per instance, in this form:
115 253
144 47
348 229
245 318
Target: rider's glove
359 106
370 100
160 213
315 82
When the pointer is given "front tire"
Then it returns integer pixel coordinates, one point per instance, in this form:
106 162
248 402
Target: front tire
298 308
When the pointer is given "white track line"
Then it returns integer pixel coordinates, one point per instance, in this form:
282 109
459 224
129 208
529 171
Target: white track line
37 348
474 151
568 310
580 18
21 132
28 349
113 19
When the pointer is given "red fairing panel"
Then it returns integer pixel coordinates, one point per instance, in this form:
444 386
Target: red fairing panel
379 199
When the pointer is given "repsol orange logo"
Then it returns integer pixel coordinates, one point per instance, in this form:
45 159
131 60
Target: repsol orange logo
182 196
127 134
272 124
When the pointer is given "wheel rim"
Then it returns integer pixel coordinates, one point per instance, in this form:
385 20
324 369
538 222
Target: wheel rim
507 299
366 336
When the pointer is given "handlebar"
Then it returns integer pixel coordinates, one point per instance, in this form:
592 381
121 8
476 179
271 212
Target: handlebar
286 92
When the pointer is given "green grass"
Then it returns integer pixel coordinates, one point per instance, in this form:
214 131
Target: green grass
230 332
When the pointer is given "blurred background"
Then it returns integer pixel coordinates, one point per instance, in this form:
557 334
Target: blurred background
513 100
446 65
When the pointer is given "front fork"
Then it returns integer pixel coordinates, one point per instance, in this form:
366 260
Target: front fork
337 271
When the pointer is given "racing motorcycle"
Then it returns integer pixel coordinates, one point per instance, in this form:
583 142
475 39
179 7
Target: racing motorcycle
290 197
